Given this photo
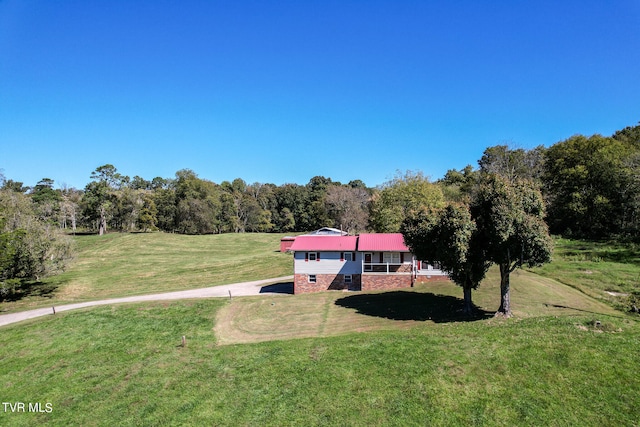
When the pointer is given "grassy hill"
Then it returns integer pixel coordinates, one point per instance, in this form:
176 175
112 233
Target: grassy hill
607 271
336 358
123 264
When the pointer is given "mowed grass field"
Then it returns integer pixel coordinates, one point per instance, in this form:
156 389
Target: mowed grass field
335 358
333 313
122 264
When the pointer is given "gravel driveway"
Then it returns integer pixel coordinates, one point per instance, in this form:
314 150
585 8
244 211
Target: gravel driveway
277 285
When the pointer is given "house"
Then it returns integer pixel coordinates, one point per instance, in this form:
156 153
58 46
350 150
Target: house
364 262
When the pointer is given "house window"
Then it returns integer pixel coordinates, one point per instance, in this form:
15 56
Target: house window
312 256
348 256
391 257
312 278
348 278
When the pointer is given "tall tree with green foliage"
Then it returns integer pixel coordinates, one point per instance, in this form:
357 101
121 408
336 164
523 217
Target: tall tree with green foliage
30 248
147 219
397 198
198 204
457 185
106 199
592 185
47 200
165 202
509 217
291 200
317 214
449 237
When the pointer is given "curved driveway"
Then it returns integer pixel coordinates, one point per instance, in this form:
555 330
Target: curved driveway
278 286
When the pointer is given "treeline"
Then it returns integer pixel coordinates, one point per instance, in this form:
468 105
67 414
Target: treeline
591 188
590 185
188 204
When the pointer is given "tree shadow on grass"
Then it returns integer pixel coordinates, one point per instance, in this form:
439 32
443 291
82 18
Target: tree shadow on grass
278 288
30 289
402 305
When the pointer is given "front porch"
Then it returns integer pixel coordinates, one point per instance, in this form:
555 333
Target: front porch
386 268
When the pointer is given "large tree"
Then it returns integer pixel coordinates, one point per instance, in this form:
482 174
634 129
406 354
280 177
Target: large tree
30 248
198 204
97 204
101 201
397 198
449 237
46 199
509 217
592 185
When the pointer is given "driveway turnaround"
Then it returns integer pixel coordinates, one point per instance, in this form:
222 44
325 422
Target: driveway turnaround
278 286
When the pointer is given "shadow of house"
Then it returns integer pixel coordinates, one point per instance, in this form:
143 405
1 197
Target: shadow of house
278 288
403 305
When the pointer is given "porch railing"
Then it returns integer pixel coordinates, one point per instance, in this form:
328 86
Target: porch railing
385 267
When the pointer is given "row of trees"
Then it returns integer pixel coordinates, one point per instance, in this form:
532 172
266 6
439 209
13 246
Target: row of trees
590 185
497 215
492 214
190 205
502 223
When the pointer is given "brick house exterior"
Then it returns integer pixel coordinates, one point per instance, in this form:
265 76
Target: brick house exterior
364 262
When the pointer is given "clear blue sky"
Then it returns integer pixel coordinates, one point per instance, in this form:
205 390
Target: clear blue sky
281 91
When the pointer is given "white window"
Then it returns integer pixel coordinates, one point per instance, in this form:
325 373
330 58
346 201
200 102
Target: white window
348 256
391 257
348 278
312 256
312 277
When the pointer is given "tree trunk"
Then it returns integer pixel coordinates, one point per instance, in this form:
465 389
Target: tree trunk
505 300
102 226
73 223
468 304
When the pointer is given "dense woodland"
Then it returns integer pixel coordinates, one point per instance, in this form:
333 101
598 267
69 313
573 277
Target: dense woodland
590 186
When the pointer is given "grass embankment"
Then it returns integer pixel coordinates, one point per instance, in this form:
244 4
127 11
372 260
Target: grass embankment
124 365
120 264
605 270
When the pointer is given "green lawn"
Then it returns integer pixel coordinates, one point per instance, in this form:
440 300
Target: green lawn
399 358
333 313
603 270
124 365
121 264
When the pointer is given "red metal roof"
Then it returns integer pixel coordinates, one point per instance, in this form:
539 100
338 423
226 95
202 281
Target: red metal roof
324 243
378 242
